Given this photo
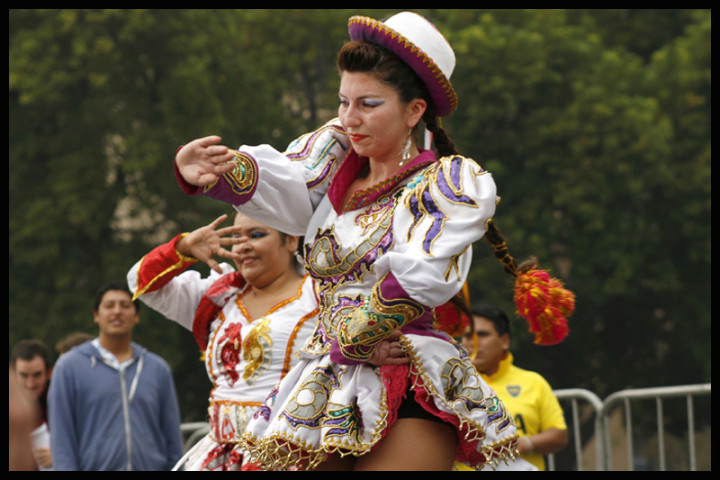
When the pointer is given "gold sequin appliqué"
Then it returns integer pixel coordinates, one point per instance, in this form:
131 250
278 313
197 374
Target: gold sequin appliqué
256 351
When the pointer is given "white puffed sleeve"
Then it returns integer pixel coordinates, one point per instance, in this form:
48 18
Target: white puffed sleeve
178 299
443 212
282 189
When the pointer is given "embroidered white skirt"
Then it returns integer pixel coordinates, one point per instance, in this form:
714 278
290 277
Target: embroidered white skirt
323 408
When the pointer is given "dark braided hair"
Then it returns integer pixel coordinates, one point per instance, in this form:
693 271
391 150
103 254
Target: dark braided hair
444 144
500 249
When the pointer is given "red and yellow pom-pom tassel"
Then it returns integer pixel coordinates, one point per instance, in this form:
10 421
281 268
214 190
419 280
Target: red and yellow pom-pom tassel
545 303
451 320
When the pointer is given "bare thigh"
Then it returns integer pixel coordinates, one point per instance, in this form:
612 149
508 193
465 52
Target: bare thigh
413 444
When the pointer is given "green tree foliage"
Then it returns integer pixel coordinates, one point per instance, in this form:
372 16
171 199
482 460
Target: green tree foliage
602 160
594 123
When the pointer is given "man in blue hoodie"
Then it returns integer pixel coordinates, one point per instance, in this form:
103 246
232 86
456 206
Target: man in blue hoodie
112 403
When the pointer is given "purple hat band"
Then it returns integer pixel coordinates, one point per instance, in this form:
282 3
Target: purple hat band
437 82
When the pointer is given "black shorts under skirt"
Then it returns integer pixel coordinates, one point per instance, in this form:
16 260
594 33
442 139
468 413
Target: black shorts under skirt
409 408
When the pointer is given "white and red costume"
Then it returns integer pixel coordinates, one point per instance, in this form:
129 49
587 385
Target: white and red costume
245 357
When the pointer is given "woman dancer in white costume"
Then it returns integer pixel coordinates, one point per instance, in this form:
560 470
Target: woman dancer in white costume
249 322
388 232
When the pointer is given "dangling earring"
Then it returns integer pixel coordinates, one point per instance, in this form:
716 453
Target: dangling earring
405 152
299 259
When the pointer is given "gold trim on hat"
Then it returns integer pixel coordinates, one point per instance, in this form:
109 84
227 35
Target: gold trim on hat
441 78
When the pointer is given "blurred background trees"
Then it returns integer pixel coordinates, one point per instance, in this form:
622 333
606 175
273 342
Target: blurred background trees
594 123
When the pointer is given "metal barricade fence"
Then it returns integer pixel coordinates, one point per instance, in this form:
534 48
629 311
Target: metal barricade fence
658 394
574 396
601 423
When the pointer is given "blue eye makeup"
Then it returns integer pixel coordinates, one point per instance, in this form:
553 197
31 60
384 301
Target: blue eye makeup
252 235
373 103
367 103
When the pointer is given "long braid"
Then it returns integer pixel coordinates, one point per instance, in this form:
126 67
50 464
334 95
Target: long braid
497 242
446 147
500 249
443 142
541 299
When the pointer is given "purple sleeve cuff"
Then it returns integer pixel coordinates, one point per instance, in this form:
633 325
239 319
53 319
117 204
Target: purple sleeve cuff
235 187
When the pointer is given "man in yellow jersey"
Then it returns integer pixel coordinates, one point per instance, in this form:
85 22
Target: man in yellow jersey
526 394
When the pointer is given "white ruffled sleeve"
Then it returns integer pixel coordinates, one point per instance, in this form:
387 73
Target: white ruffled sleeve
442 215
282 189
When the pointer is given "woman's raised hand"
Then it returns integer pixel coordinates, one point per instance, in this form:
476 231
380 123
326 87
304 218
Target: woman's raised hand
207 242
202 161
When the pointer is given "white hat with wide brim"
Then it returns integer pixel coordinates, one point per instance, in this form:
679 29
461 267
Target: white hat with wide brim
419 44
